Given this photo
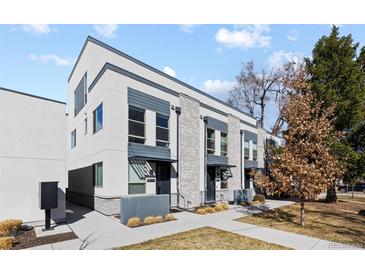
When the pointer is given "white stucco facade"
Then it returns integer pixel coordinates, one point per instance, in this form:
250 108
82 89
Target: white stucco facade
32 150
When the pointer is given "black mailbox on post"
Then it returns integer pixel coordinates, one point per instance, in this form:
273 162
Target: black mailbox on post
48 199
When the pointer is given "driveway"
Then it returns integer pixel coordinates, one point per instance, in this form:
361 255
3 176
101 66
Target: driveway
97 231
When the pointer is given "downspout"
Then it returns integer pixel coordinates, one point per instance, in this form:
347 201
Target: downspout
205 119
241 163
178 112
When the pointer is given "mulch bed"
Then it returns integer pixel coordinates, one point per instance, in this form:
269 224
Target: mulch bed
25 239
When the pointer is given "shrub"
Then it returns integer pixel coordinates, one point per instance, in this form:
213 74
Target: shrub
134 222
6 243
259 198
149 220
169 217
201 211
209 210
218 208
158 219
8 227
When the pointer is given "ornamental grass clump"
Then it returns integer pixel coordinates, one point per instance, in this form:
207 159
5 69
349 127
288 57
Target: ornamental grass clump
209 210
259 198
169 217
7 227
149 220
201 211
158 219
218 208
225 206
134 222
6 243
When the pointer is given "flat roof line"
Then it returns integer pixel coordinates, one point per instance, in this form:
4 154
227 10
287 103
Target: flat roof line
120 53
31 95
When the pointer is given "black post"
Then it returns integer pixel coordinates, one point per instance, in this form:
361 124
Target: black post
178 112
48 219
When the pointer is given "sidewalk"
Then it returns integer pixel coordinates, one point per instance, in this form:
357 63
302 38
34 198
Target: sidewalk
96 231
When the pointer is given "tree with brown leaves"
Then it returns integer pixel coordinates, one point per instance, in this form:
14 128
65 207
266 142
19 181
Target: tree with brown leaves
304 166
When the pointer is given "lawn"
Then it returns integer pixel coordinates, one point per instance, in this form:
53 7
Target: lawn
337 222
204 238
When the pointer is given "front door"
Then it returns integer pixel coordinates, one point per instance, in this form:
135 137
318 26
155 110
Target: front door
210 184
163 178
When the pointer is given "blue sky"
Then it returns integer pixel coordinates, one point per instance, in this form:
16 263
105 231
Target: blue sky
38 58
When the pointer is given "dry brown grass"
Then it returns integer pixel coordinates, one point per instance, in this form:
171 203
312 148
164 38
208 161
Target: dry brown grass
205 238
209 209
224 206
158 219
7 227
201 211
6 243
134 222
337 222
169 217
149 220
218 208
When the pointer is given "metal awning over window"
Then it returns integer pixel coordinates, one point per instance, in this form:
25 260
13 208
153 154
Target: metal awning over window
221 165
140 158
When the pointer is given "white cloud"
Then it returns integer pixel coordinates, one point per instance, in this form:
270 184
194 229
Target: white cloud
47 58
278 58
187 27
169 71
292 35
244 36
37 29
216 87
108 31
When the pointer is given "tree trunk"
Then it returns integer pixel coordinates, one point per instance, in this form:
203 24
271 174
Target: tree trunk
352 195
331 196
302 214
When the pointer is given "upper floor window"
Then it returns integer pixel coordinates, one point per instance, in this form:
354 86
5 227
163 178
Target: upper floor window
136 120
247 150
98 118
223 144
210 141
80 95
254 151
162 130
73 138
85 126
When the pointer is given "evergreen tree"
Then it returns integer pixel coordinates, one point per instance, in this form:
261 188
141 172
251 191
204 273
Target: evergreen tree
337 76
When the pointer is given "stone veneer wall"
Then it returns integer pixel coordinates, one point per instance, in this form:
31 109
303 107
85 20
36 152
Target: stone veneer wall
234 143
189 150
261 140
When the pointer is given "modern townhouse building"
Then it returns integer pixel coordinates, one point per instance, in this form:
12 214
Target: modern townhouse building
133 129
32 150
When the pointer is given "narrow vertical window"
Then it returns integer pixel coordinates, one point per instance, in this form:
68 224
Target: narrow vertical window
85 126
136 125
98 118
223 144
73 138
80 95
162 130
98 176
210 141
247 150
254 151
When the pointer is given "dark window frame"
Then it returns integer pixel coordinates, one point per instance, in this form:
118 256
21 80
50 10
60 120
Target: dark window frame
73 139
95 112
131 136
159 142
224 152
210 150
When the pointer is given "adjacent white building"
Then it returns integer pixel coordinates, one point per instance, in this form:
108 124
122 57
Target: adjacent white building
32 150
133 129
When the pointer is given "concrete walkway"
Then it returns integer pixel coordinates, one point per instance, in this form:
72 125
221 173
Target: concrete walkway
96 231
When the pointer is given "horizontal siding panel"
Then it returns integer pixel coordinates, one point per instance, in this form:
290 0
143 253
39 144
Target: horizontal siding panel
217 124
146 101
140 150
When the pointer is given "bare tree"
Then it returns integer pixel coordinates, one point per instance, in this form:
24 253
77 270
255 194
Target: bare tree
253 90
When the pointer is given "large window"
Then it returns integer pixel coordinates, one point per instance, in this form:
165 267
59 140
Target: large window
223 144
136 118
98 176
73 138
80 95
162 130
136 178
98 118
210 141
247 150
254 151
